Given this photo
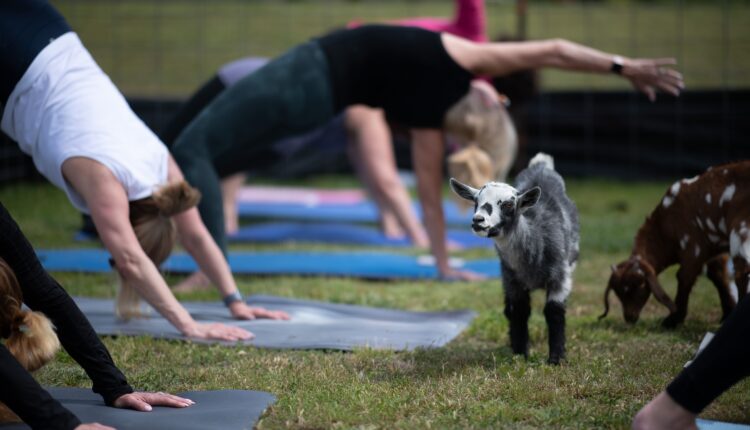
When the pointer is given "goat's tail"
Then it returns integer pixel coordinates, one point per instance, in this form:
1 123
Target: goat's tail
544 159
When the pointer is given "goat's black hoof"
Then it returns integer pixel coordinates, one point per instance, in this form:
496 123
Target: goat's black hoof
672 321
554 360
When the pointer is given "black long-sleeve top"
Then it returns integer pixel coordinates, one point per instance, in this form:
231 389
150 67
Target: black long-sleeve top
18 389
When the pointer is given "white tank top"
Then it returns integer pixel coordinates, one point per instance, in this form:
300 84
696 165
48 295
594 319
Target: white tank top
65 106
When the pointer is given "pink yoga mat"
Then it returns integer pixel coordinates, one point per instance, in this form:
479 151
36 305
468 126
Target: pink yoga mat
307 196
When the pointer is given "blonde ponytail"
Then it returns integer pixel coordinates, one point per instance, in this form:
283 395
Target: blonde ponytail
490 128
156 233
29 336
472 166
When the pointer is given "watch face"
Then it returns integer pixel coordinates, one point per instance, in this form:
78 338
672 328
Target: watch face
616 65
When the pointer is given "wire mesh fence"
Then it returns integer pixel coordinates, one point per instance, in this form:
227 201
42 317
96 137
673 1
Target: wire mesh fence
163 50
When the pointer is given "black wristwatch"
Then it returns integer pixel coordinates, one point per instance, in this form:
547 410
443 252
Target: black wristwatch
616 65
231 298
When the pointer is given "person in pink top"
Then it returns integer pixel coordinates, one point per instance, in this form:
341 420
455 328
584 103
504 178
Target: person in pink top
469 21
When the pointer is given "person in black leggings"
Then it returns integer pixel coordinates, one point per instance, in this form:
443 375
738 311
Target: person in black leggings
18 389
724 362
416 76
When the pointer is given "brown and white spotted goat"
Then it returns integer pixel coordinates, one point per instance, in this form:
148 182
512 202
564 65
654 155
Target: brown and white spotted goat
698 221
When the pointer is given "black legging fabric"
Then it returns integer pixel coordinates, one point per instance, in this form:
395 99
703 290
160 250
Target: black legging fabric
289 96
18 389
188 111
723 363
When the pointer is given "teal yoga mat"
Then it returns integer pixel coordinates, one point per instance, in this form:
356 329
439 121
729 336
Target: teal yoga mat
369 265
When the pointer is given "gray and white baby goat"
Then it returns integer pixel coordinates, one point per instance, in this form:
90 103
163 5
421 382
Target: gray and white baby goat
535 229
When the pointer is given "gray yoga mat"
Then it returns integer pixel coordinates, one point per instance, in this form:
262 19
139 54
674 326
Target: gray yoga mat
313 325
225 409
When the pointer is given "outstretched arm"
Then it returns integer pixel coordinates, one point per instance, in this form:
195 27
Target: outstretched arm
109 206
372 155
428 151
498 59
196 239
42 293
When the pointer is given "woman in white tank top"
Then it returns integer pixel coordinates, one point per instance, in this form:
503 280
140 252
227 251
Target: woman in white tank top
82 135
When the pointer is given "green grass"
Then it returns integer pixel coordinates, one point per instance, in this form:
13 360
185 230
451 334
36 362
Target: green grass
169 47
474 382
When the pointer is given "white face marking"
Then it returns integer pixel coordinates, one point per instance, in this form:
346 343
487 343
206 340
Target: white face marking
710 224
733 291
684 241
697 250
713 239
691 180
567 285
667 201
727 195
675 188
708 198
725 171
492 194
723 226
734 243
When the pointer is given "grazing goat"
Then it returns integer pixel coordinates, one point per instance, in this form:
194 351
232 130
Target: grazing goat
535 229
697 221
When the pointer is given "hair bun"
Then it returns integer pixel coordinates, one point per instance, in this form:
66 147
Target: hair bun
174 198
33 341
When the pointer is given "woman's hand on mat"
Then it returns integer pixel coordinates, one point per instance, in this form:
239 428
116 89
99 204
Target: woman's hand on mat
218 331
649 75
93 426
461 275
142 401
242 311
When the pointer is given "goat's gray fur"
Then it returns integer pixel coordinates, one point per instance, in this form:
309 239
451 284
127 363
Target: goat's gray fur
536 233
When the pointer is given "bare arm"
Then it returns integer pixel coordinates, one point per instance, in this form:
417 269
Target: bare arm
109 206
428 151
198 242
499 59
373 157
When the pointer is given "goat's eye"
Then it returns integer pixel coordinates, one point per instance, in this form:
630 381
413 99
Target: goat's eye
506 206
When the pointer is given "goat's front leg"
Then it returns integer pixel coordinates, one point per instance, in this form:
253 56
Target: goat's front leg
718 273
554 313
686 277
518 310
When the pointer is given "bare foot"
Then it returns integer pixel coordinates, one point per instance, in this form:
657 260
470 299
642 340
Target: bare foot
195 282
663 413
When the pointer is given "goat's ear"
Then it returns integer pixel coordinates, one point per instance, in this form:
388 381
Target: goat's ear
659 293
529 198
463 190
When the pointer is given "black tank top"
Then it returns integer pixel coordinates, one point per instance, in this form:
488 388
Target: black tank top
26 27
406 71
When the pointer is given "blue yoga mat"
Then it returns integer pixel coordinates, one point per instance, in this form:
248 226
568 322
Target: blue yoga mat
370 265
344 233
718 425
357 212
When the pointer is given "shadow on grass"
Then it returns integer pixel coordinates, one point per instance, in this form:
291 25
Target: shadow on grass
688 331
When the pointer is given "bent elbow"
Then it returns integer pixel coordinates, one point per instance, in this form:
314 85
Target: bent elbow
559 52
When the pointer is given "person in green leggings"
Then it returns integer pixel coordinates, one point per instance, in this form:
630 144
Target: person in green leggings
422 80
